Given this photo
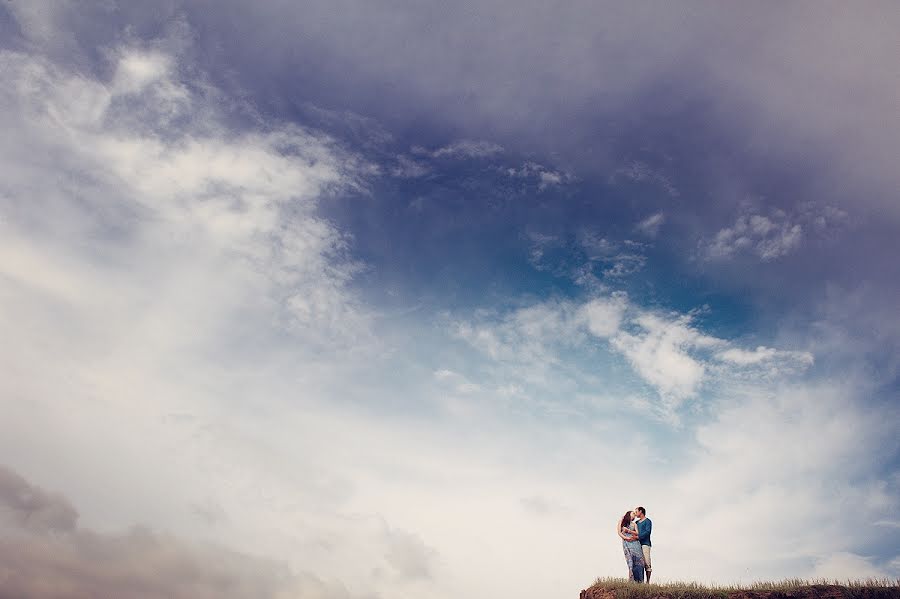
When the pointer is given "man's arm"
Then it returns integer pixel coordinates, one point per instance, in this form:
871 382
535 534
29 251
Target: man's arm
644 529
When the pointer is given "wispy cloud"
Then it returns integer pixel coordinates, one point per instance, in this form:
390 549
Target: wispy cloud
544 176
813 424
464 148
660 350
456 381
642 172
149 145
651 225
622 265
780 359
176 264
590 260
666 350
408 168
526 335
362 131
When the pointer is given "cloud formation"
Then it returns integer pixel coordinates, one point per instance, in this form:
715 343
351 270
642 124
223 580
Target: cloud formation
32 509
642 172
660 351
767 238
821 464
409 556
666 350
150 148
464 148
203 336
650 226
168 252
46 555
544 176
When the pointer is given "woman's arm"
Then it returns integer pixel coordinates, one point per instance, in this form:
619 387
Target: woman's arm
630 537
633 532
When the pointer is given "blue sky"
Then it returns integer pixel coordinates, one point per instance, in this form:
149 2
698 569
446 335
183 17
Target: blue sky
342 300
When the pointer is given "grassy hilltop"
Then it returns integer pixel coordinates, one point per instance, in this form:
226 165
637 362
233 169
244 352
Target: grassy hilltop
619 588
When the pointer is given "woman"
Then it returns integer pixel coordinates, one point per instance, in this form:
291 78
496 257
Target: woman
634 556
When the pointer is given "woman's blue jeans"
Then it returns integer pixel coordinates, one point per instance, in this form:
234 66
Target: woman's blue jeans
637 572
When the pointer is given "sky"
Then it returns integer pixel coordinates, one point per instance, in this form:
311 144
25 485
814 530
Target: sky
374 300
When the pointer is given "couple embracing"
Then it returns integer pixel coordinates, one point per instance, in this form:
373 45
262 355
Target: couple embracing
634 530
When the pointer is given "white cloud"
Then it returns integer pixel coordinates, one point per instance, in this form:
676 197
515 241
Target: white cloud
365 132
765 355
768 237
795 457
525 335
166 286
776 233
407 168
597 247
544 176
622 265
137 70
824 219
650 226
659 350
604 315
540 243
643 172
208 191
666 350
745 357
676 358
549 178
464 148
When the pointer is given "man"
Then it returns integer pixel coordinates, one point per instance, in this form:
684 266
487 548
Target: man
644 526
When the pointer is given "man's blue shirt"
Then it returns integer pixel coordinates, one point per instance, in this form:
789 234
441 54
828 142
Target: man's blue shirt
644 527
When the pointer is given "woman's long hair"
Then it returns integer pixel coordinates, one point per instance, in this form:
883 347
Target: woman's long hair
626 519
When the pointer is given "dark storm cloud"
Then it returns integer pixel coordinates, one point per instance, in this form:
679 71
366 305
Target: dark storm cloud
810 83
32 508
713 116
802 74
44 554
717 103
